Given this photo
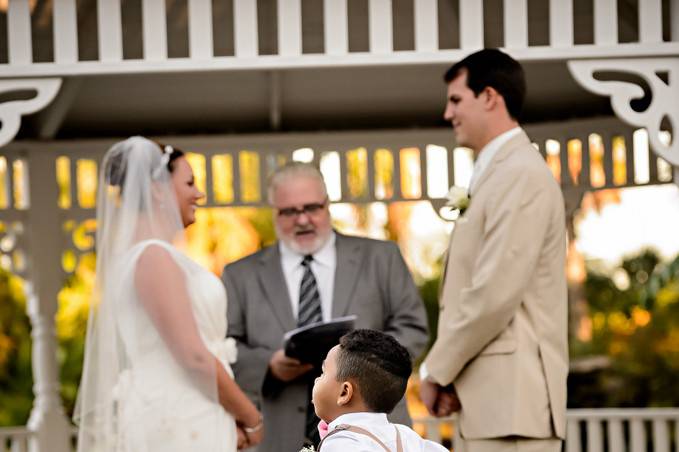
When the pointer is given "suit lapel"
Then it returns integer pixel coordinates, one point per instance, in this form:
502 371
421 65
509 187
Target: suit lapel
273 284
520 140
346 274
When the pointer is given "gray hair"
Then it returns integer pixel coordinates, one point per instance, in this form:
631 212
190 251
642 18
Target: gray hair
292 170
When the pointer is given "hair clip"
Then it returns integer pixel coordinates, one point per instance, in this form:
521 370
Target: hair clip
164 161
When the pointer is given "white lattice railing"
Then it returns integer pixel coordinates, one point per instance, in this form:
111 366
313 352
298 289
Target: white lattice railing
433 30
602 430
589 430
14 439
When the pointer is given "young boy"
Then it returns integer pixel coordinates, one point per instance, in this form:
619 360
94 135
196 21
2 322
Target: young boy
363 379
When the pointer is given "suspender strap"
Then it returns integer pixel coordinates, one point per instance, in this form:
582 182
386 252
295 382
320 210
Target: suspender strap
362 431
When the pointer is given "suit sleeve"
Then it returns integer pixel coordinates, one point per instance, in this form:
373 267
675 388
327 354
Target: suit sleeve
516 221
407 319
252 366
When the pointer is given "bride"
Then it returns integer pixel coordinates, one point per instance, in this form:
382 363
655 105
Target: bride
157 373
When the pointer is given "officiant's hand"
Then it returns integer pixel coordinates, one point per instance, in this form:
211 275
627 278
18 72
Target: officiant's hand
285 368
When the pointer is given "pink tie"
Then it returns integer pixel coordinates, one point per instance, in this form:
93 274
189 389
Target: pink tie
322 429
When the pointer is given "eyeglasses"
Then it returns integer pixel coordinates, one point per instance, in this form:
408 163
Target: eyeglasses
308 209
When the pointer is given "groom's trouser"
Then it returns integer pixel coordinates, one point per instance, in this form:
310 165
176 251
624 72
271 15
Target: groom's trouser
512 444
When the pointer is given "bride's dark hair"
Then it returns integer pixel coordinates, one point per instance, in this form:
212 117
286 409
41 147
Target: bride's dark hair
116 170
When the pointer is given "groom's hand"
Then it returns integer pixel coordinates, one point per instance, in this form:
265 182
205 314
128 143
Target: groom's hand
447 401
285 368
429 393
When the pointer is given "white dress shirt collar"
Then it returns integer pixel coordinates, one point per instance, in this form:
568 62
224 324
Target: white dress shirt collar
362 419
487 153
323 267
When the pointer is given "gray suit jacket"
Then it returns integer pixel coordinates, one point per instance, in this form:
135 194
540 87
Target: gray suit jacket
371 281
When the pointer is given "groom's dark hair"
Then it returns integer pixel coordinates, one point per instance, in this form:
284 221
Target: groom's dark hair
378 365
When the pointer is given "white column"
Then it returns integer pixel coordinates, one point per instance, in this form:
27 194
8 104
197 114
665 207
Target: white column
335 22
19 32
289 27
471 24
650 21
110 30
516 24
200 29
245 28
65 31
47 417
381 26
605 22
561 23
154 24
426 26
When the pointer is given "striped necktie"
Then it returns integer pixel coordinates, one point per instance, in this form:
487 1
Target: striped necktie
309 298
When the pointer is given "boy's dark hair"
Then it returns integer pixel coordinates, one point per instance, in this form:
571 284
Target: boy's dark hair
493 68
378 364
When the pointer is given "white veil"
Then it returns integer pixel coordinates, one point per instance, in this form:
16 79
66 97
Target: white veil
135 203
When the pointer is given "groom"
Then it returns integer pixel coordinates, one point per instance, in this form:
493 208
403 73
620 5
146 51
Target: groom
501 353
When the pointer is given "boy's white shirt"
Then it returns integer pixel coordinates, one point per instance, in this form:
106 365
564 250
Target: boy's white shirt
378 425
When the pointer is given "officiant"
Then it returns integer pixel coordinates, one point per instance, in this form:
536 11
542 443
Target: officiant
312 273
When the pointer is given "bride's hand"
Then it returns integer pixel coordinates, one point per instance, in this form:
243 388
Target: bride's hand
242 438
253 432
254 437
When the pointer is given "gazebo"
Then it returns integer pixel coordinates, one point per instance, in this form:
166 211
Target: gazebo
247 83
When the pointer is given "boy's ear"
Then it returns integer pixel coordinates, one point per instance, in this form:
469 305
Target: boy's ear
346 393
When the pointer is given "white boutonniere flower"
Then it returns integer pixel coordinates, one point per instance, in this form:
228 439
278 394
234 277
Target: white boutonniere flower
458 199
308 449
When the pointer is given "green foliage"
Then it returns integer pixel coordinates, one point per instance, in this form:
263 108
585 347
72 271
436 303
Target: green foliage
16 381
636 324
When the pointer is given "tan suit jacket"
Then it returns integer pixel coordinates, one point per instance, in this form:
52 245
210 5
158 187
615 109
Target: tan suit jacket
502 334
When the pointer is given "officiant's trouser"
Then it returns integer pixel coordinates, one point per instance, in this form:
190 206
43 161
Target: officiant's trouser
511 444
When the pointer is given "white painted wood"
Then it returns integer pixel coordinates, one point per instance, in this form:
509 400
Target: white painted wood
661 436
381 26
605 22
616 438
637 435
561 23
650 21
595 438
471 24
289 27
573 436
426 26
516 24
110 32
200 29
47 417
335 23
276 62
19 32
245 28
154 22
674 20
65 31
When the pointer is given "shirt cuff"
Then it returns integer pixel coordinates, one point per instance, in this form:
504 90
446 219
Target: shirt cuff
424 375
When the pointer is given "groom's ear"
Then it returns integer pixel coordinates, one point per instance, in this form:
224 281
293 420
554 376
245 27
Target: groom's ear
346 393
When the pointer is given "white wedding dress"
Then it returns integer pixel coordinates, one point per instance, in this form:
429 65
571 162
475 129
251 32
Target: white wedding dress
160 407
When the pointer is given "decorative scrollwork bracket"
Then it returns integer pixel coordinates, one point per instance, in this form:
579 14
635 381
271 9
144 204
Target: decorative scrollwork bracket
11 111
662 77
